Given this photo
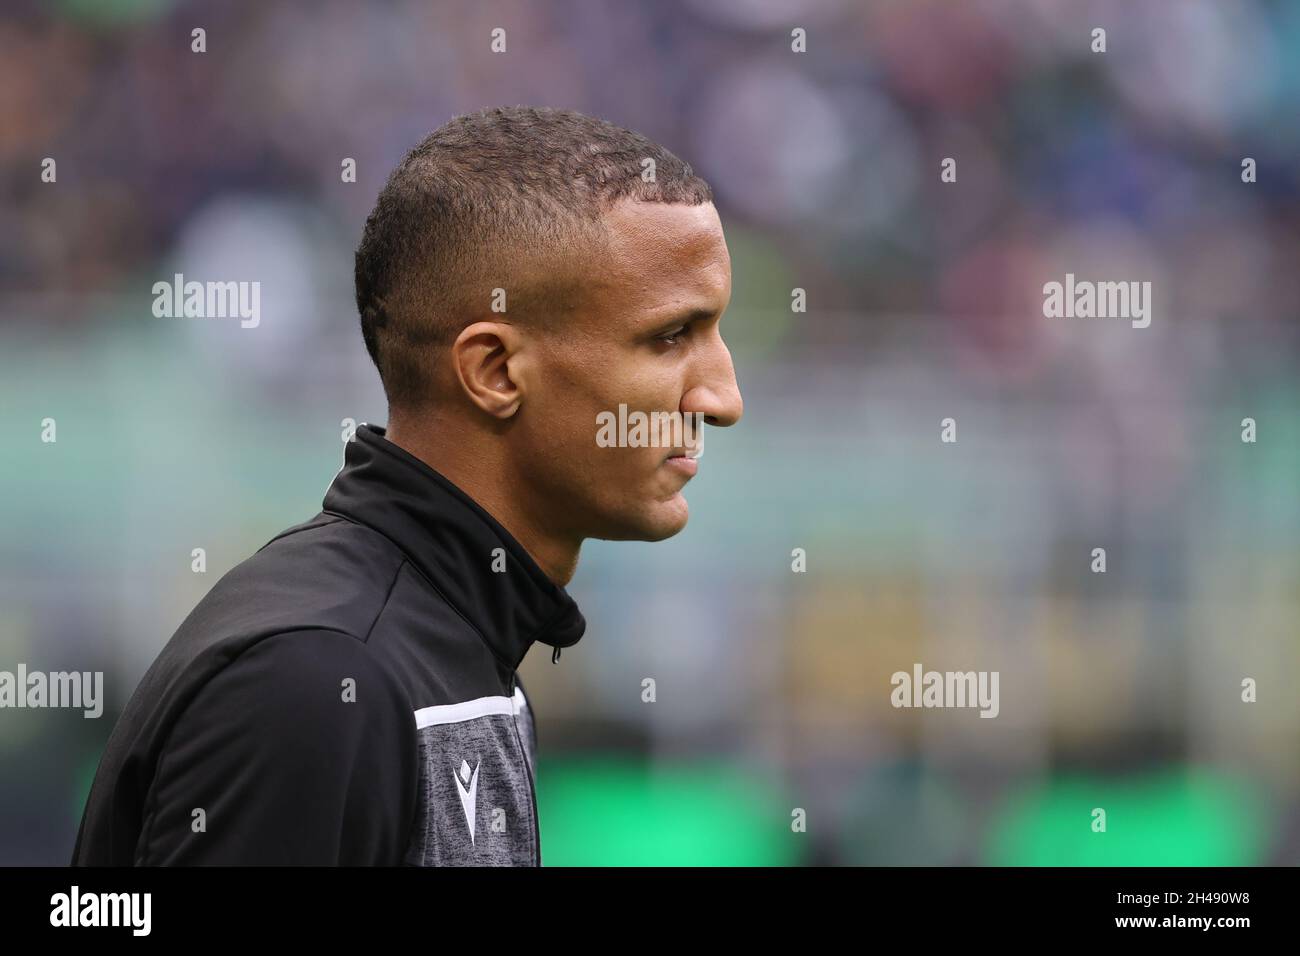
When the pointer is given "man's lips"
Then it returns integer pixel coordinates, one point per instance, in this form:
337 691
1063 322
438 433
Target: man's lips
685 460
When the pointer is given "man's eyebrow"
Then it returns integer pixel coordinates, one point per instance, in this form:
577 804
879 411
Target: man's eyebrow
684 319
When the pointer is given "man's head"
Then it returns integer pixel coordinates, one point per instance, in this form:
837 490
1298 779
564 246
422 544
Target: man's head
526 271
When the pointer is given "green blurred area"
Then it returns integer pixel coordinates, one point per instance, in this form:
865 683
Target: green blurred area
610 811
1178 817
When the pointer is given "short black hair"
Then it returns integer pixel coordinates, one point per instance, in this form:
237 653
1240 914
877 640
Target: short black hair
509 198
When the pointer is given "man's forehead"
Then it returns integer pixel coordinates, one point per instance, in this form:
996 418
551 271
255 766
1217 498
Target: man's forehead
653 245
634 225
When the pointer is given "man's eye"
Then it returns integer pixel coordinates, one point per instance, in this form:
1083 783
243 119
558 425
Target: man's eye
673 337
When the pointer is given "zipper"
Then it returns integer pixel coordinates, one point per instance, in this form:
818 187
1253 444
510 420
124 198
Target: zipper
532 787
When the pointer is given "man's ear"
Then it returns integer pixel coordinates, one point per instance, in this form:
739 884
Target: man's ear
482 356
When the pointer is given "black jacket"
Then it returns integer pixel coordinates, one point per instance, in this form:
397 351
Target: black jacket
347 695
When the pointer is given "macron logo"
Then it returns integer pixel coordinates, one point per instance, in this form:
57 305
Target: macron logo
467 787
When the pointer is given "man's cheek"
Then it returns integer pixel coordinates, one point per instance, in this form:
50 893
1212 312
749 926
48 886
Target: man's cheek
623 470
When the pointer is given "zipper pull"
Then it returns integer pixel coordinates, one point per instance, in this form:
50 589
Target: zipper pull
555 655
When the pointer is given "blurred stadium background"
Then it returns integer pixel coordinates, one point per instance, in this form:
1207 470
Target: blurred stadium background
1119 690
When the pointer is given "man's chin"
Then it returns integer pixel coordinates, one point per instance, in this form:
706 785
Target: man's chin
663 521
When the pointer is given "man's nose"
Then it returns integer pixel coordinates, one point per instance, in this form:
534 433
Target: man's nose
715 394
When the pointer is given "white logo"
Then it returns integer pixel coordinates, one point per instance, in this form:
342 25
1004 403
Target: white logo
467 797
102 909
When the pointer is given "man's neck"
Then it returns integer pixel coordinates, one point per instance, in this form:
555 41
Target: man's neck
483 480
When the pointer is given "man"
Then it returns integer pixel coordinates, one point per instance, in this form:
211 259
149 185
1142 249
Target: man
348 695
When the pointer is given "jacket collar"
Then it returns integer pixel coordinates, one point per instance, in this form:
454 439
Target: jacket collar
451 540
